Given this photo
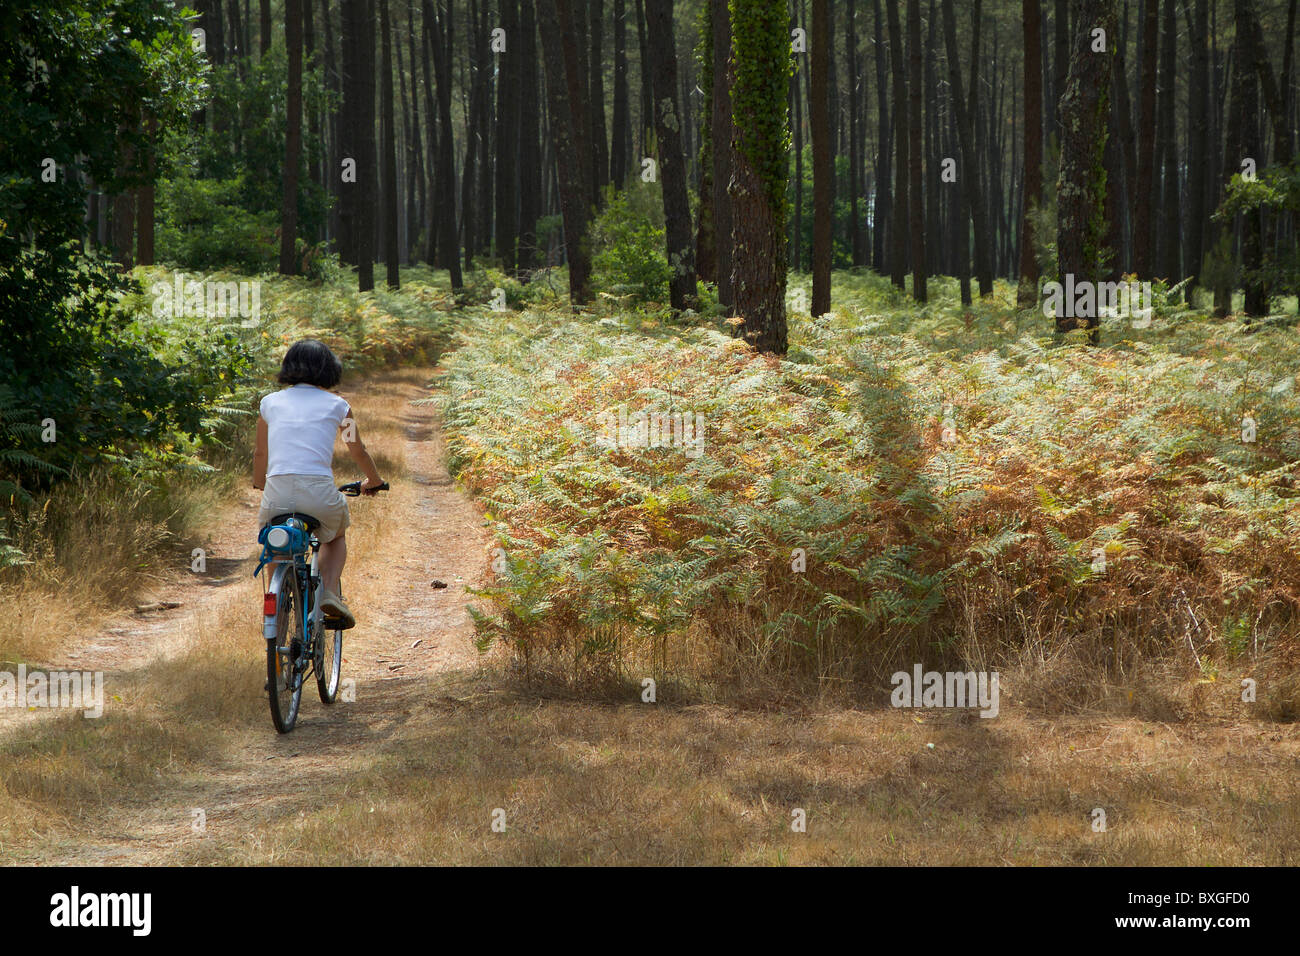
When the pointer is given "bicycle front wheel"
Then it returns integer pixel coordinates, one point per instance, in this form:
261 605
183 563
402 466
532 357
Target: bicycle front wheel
283 675
329 664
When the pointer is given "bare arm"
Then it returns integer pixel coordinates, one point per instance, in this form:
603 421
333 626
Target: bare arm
357 449
260 455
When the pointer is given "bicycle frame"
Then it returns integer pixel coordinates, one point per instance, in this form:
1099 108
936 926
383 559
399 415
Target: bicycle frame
280 569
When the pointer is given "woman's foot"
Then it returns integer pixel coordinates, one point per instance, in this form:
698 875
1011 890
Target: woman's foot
337 615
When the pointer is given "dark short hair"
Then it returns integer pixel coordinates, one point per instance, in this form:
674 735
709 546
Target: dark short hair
310 362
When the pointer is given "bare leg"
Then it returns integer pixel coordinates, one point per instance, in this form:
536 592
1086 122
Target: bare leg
333 555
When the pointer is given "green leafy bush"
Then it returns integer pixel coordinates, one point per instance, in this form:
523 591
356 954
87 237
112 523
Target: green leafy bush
202 224
1274 193
628 245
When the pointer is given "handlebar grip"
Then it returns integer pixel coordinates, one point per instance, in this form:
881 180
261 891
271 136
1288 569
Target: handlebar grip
353 488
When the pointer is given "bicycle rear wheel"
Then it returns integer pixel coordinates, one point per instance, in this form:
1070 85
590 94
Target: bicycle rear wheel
283 675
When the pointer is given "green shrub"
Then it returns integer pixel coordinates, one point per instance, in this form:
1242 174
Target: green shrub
202 224
628 246
115 383
1271 196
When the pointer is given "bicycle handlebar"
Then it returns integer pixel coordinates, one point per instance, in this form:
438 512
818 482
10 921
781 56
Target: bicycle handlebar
353 488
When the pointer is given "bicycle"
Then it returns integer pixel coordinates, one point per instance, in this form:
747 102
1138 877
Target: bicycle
293 623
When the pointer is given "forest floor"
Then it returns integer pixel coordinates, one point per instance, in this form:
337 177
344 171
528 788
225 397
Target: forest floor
442 758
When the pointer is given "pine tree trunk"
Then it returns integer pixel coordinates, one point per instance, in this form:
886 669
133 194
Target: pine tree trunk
1247 107
1114 197
579 35
237 49
883 207
564 108
485 78
898 256
265 47
596 97
292 138
469 168
968 174
440 28
1027 294
368 164
647 119
855 147
1268 85
819 109
706 266
1288 76
1122 116
389 198
1081 187
935 248
336 120
1233 145
469 165
620 155
672 170
1060 63
431 146
530 160
796 100
760 64
1143 238
310 63
958 213
348 168
507 152
1198 143
406 152
415 171
214 31
1171 199
723 156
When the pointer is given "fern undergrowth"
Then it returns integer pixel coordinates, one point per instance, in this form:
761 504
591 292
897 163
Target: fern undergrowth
949 486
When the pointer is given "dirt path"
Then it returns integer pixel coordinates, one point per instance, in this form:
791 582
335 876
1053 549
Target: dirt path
412 624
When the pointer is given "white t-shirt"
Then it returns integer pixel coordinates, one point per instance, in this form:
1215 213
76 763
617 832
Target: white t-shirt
302 422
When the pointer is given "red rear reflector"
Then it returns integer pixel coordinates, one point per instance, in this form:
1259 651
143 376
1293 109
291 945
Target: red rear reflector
268 604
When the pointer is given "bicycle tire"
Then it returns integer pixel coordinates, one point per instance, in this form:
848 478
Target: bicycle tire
329 664
283 676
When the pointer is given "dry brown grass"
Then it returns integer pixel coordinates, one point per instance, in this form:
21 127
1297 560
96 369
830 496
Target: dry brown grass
95 547
631 783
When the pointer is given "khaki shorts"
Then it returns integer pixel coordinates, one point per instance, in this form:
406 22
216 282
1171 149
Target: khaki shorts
313 495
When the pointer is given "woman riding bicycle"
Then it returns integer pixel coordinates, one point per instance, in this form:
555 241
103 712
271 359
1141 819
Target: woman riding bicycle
292 462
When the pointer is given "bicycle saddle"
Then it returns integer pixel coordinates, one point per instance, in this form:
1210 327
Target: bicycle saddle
311 523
